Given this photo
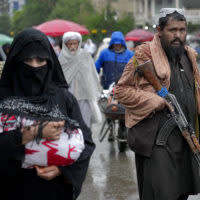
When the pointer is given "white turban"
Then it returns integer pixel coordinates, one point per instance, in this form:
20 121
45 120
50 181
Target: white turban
72 36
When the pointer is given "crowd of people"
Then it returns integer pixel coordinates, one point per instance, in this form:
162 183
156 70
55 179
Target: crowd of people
49 102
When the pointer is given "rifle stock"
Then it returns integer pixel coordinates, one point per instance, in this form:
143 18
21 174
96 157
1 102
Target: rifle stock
150 75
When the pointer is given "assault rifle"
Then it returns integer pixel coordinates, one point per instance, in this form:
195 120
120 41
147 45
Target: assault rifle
147 70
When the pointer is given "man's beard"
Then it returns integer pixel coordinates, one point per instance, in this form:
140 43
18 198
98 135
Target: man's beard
72 51
173 53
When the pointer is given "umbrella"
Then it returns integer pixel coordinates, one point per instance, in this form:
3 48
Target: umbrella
58 27
139 35
5 39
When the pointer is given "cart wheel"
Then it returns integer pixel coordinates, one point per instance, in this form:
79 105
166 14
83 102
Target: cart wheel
122 137
122 146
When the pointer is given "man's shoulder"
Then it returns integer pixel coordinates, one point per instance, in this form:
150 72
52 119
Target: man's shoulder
190 49
84 53
143 51
143 47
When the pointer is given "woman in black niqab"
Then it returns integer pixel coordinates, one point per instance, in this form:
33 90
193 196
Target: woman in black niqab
31 43
39 94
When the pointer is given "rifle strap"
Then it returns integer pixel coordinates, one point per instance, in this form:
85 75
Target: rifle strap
135 61
165 131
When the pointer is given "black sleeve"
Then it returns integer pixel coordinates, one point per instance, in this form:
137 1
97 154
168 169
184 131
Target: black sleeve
75 113
76 172
11 152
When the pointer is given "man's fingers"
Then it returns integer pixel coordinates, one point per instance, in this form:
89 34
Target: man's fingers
169 106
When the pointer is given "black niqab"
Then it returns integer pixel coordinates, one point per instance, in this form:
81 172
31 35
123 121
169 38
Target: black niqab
21 42
32 87
30 81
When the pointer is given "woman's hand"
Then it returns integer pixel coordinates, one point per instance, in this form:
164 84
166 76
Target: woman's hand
48 173
52 130
29 133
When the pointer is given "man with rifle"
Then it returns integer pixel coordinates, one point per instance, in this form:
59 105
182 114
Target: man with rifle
160 89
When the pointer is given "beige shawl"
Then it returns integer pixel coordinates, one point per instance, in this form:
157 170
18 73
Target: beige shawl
136 94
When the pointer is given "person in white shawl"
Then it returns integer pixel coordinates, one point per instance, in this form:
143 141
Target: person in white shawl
80 73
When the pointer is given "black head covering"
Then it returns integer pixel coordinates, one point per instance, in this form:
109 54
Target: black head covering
53 103
15 97
30 43
33 50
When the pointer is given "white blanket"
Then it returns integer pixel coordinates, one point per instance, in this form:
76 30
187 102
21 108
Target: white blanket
62 152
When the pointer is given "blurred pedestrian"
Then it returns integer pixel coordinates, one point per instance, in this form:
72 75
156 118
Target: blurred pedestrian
113 59
165 166
79 70
90 46
38 117
103 45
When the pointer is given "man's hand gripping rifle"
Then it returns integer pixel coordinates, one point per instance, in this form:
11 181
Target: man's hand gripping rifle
147 70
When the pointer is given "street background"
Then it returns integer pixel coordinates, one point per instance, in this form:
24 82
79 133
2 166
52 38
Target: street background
111 174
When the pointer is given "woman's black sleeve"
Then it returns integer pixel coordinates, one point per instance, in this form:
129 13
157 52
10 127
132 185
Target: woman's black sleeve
11 152
76 172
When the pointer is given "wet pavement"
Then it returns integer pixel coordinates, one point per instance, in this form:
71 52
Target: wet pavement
111 174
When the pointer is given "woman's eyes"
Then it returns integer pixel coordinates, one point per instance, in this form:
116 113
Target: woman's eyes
40 59
36 59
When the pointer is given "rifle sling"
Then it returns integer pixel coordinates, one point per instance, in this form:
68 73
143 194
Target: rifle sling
165 131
